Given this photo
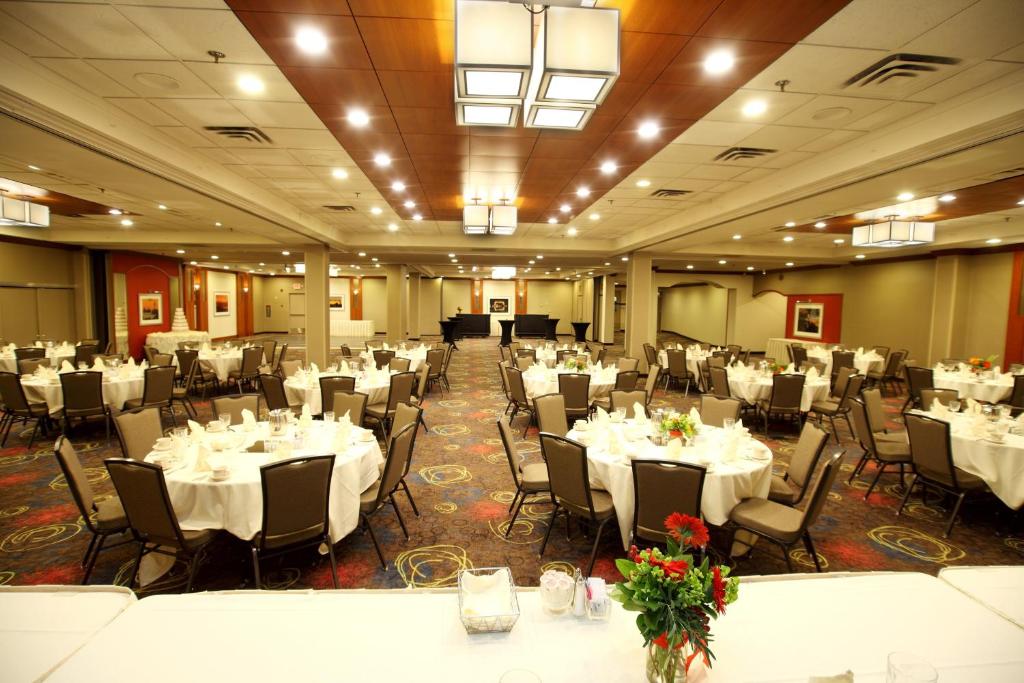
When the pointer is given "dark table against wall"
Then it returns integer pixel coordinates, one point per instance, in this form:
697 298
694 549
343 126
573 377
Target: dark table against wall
581 331
552 329
474 324
531 325
506 331
448 330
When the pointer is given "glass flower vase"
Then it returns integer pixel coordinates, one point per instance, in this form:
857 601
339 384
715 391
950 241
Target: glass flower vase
666 665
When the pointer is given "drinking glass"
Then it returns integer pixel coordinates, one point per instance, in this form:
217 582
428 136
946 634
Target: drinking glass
1004 411
906 667
728 423
954 406
225 419
180 432
328 416
82 365
620 414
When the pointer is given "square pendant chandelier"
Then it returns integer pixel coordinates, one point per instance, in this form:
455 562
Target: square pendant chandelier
480 219
894 233
559 79
18 212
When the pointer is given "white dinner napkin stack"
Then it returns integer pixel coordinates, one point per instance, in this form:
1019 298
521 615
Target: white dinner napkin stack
674 450
307 416
39 344
43 373
10 348
790 369
938 410
205 348
65 366
695 417
196 428
812 374
98 365
640 415
601 416
248 420
314 370
202 458
860 350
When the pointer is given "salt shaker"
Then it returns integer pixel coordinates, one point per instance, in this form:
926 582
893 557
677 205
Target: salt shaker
579 605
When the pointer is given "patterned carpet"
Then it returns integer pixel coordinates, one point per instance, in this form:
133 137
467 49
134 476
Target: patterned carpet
462 485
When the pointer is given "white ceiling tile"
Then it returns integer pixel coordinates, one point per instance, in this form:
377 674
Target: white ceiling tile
784 159
216 153
85 76
201 113
1015 54
264 157
778 105
716 171
968 79
716 133
831 111
279 114
144 111
883 117
817 69
154 78
883 24
297 138
224 79
830 140
781 137
980 31
189 33
244 170
29 41
687 154
329 158
185 136
692 184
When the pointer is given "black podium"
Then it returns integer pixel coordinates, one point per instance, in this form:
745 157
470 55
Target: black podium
506 332
581 331
551 327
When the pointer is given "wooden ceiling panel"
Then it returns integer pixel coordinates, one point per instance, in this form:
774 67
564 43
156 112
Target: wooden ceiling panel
418 88
352 87
497 164
501 147
663 16
428 120
752 57
409 44
768 20
443 10
665 100
437 144
429 166
294 6
645 55
335 116
275 32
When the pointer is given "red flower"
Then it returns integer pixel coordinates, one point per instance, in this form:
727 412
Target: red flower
718 589
672 568
634 553
696 534
662 641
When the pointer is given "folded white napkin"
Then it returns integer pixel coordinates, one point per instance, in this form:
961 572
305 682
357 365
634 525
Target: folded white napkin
144 365
486 594
695 416
196 428
98 366
640 415
812 374
65 366
937 409
307 416
202 458
10 348
973 406
314 370
38 344
860 350
601 416
790 369
205 348
996 371
131 362
674 450
248 419
386 347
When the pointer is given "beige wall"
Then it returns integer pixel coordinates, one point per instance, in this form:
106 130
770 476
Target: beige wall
553 297
272 291
455 294
375 302
27 310
988 301
430 305
695 311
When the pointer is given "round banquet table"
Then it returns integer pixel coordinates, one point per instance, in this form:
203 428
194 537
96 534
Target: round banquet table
755 388
866 362
416 357
167 342
749 475
56 354
116 390
540 381
969 386
306 390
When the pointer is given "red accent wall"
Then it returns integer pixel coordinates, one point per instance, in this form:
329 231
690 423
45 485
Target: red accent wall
1014 352
144 273
832 323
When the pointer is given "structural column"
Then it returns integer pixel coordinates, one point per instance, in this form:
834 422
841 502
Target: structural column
85 320
949 305
640 303
606 334
414 306
318 321
397 303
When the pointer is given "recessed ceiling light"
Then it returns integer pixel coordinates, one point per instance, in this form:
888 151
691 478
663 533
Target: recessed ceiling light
312 41
455 260
376 210
643 183
722 262
392 227
595 216
250 84
540 257
860 256
718 62
689 266
286 253
572 232
789 264
737 237
476 268
339 173
127 222
381 159
820 224
115 212
161 207
557 269
583 192
993 240
376 265
179 251
565 208
193 263
754 108
34 168
750 267
417 217
624 258
790 224
362 253
398 186
787 238
905 196
947 197
590 272
262 263
552 220
217 224
1021 202
215 257
609 167
358 118
838 240
531 262
451 255
374 259
409 204
225 267
647 130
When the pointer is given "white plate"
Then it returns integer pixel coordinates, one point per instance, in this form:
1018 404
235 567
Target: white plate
367 437
163 447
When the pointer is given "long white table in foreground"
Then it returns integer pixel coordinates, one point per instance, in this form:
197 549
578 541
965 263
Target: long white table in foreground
40 626
781 629
1001 589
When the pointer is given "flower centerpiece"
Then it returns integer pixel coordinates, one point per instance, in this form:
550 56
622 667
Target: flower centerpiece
979 364
575 363
677 425
676 599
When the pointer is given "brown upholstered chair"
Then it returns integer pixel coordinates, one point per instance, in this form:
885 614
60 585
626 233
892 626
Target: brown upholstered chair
597 351
917 379
797 354
296 494
83 398
154 526
502 366
138 430
932 455
162 360
346 352
27 366
576 390
801 467
204 377
943 396
435 359
269 349
272 387
530 479
627 364
562 354
330 385
886 454
890 373
650 354
569 476
524 363
1016 400
783 525
157 391
872 399
84 353
787 392
719 382
252 359
234 405
17 408
550 410
627 400
353 403
520 402
651 383
660 488
27 352
182 394
419 393
397 364
382 358
383 490
840 360
282 355
287 368
839 381
840 408
677 369
714 411
405 414
398 392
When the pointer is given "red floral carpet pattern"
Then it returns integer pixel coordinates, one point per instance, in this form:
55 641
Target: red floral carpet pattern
462 486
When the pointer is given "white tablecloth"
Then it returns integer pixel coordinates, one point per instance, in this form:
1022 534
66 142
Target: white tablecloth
416 357
548 355
300 391
540 381
41 626
756 389
780 629
1001 589
777 348
115 390
693 361
236 504
352 328
167 342
221 362
725 484
56 354
989 390
866 362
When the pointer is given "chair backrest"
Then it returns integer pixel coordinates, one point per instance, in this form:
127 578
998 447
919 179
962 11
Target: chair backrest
88 342
719 382
186 359
269 348
82 390
892 366
861 426
295 500
29 352
805 456
714 411
853 386
397 364
715 361
346 351
841 359
502 367
787 390
798 354
651 354
628 400
1017 397
138 430
400 389
943 396
918 379
26 366
527 353
562 354
287 368
808 364
652 381
930 449
422 377
516 388
143 492
159 385
234 405
448 351
12 394
842 377
597 352
734 350
524 362
872 400
626 380
147 353
329 385
435 358
77 481
163 360
397 462
661 487
568 472
282 355
351 402
381 358
273 392
84 352
882 351
627 364
676 362
576 390
508 441
550 410
820 491
405 413
252 358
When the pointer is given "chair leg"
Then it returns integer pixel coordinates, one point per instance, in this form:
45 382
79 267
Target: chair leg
334 562
874 482
952 517
92 559
398 513
515 514
138 561
789 562
597 541
835 430
373 537
906 496
514 499
193 567
408 494
809 544
547 534
857 468
35 430
88 551
256 568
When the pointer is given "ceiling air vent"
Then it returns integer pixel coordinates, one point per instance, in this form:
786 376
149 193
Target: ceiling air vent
339 207
899 65
247 133
734 153
667 193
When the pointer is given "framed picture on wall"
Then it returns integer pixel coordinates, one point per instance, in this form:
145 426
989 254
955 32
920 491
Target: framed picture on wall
499 306
221 303
336 303
151 308
808 319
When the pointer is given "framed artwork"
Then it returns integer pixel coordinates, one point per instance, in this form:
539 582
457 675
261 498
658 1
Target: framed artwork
808 319
151 308
221 303
336 303
499 306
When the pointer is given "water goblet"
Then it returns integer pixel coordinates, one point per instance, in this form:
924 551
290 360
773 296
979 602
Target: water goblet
954 406
328 416
225 419
728 423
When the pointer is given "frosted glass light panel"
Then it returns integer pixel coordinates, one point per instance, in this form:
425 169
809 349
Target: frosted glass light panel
493 49
504 219
501 113
576 56
475 219
565 116
894 234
